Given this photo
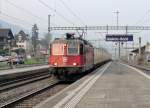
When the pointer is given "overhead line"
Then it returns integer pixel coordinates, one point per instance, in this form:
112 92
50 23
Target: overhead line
70 10
17 19
44 4
28 12
24 10
141 19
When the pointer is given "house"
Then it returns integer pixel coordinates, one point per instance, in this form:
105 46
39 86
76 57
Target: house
22 40
145 54
6 38
23 44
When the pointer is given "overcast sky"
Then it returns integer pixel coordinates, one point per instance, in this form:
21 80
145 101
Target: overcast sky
78 13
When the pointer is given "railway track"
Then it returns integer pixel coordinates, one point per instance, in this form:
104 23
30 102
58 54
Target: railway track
26 93
22 89
14 82
32 94
38 97
144 69
22 66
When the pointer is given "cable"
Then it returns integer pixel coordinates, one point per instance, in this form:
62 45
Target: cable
28 12
18 19
47 6
25 10
4 17
141 19
70 10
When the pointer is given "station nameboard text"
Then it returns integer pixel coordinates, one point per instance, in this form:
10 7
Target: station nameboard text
119 37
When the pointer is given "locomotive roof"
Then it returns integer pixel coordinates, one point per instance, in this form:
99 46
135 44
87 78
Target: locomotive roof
64 40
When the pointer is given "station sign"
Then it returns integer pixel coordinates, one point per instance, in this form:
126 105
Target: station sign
119 37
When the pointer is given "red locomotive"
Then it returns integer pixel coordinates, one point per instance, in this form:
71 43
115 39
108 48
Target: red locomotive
72 55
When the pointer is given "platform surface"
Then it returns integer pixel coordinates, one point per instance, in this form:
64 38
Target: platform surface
114 86
18 70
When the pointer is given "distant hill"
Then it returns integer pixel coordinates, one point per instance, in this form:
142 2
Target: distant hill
15 28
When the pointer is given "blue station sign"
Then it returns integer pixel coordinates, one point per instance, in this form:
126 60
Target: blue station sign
119 37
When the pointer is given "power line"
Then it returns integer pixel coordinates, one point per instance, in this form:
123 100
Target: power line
24 10
18 19
28 12
71 11
141 19
47 6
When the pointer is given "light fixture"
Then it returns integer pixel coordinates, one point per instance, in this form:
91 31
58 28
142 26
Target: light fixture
55 64
74 64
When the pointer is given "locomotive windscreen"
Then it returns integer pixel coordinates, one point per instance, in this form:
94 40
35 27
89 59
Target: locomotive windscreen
58 49
73 47
67 47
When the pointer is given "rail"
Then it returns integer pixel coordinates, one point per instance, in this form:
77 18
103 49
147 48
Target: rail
11 98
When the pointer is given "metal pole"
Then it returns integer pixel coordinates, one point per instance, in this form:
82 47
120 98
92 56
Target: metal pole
140 47
133 44
119 50
117 19
115 53
10 59
85 32
117 13
107 29
126 43
49 23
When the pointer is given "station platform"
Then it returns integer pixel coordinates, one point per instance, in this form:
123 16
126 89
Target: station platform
115 85
19 70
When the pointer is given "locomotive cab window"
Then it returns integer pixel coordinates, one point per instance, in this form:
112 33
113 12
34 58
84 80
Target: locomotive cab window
58 49
73 47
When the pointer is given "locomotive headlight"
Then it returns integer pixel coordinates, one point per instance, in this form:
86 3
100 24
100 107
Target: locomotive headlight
55 64
74 64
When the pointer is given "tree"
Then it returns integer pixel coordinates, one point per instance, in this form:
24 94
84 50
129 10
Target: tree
46 40
35 38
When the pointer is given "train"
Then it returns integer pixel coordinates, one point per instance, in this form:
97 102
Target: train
74 55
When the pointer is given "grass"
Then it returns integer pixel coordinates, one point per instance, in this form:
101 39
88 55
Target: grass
34 61
3 64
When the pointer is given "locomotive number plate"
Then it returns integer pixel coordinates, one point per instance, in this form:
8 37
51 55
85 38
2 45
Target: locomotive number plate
65 59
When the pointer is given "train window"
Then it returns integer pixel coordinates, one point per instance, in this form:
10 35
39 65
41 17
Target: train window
81 49
72 47
58 49
72 50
